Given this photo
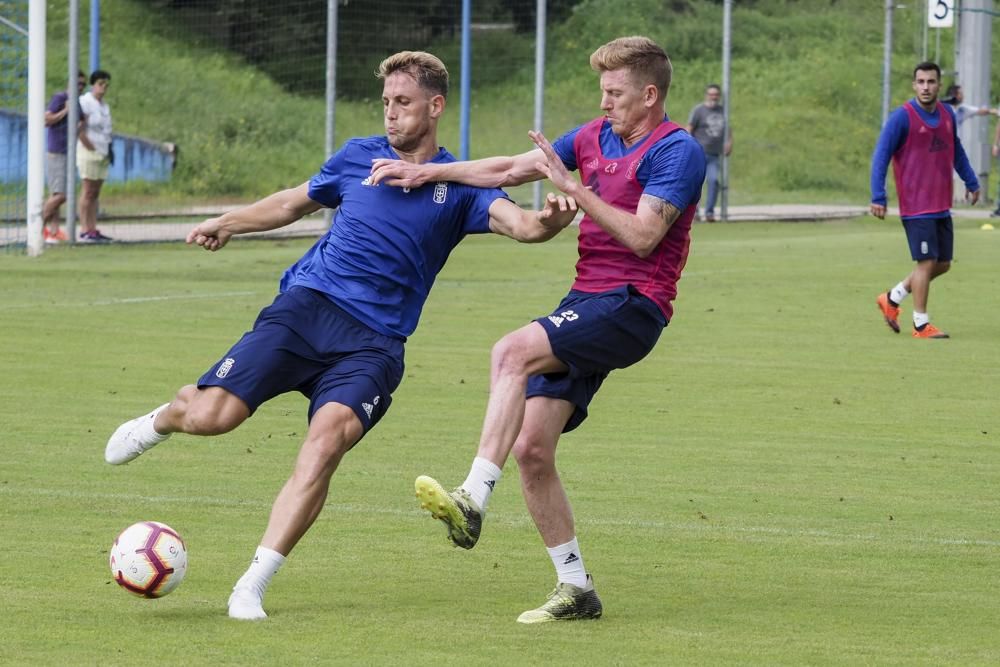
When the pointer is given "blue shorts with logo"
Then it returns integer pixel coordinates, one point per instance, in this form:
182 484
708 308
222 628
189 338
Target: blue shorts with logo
304 342
930 238
593 334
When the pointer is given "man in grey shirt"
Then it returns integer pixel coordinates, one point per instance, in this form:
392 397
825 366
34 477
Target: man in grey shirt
707 124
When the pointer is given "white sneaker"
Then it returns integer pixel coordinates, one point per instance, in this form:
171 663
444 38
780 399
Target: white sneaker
245 605
133 438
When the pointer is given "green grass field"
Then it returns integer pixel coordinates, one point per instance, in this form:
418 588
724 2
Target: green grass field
782 482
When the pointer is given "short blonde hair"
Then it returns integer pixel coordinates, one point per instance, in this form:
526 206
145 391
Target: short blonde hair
425 68
646 61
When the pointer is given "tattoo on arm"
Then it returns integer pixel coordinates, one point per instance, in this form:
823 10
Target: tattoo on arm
667 211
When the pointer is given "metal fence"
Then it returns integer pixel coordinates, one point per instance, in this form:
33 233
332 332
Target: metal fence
13 100
238 108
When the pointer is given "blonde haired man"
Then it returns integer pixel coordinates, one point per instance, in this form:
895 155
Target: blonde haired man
337 328
641 180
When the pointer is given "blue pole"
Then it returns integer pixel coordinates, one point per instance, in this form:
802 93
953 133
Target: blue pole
95 35
466 78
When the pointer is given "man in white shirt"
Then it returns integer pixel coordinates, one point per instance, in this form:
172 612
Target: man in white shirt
956 98
93 153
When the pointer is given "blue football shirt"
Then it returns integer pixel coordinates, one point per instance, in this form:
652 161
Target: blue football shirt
387 244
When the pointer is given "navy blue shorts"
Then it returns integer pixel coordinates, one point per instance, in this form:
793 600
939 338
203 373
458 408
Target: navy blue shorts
930 238
593 334
304 342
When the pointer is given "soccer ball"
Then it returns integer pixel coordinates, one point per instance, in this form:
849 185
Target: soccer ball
149 559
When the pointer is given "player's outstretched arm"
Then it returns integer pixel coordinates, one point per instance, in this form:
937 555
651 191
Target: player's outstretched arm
491 172
511 220
271 212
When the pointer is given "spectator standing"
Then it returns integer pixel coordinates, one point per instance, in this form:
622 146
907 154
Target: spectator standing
55 159
921 138
93 153
707 124
956 98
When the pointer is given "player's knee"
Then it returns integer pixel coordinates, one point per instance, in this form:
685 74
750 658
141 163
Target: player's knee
507 357
319 457
532 455
942 267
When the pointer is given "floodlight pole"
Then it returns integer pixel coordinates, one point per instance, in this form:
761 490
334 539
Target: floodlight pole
887 61
727 26
975 29
331 88
95 35
923 50
465 80
539 85
36 125
72 116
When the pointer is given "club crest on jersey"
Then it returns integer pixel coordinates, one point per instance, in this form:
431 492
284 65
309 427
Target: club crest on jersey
224 368
440 192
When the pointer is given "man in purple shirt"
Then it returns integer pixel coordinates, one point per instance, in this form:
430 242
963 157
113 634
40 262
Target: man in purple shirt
55 159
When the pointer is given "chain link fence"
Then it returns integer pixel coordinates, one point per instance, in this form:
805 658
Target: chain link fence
13 124
215 103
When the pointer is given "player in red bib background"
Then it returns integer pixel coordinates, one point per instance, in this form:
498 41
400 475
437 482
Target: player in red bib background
921 138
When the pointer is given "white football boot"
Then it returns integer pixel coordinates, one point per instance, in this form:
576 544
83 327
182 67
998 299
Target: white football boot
133 438
246 605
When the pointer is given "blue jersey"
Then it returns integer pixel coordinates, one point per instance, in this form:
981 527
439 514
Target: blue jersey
387 244
673 169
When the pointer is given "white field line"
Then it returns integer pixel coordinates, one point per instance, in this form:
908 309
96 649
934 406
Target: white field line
755 532
135 299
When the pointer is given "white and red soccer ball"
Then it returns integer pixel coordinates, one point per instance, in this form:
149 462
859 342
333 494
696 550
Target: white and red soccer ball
149 559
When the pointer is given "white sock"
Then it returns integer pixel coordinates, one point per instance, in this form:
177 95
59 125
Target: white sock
920 319
483 476
146 431
898 293
247 599
569 563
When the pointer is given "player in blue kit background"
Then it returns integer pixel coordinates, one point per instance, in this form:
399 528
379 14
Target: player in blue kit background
337 328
